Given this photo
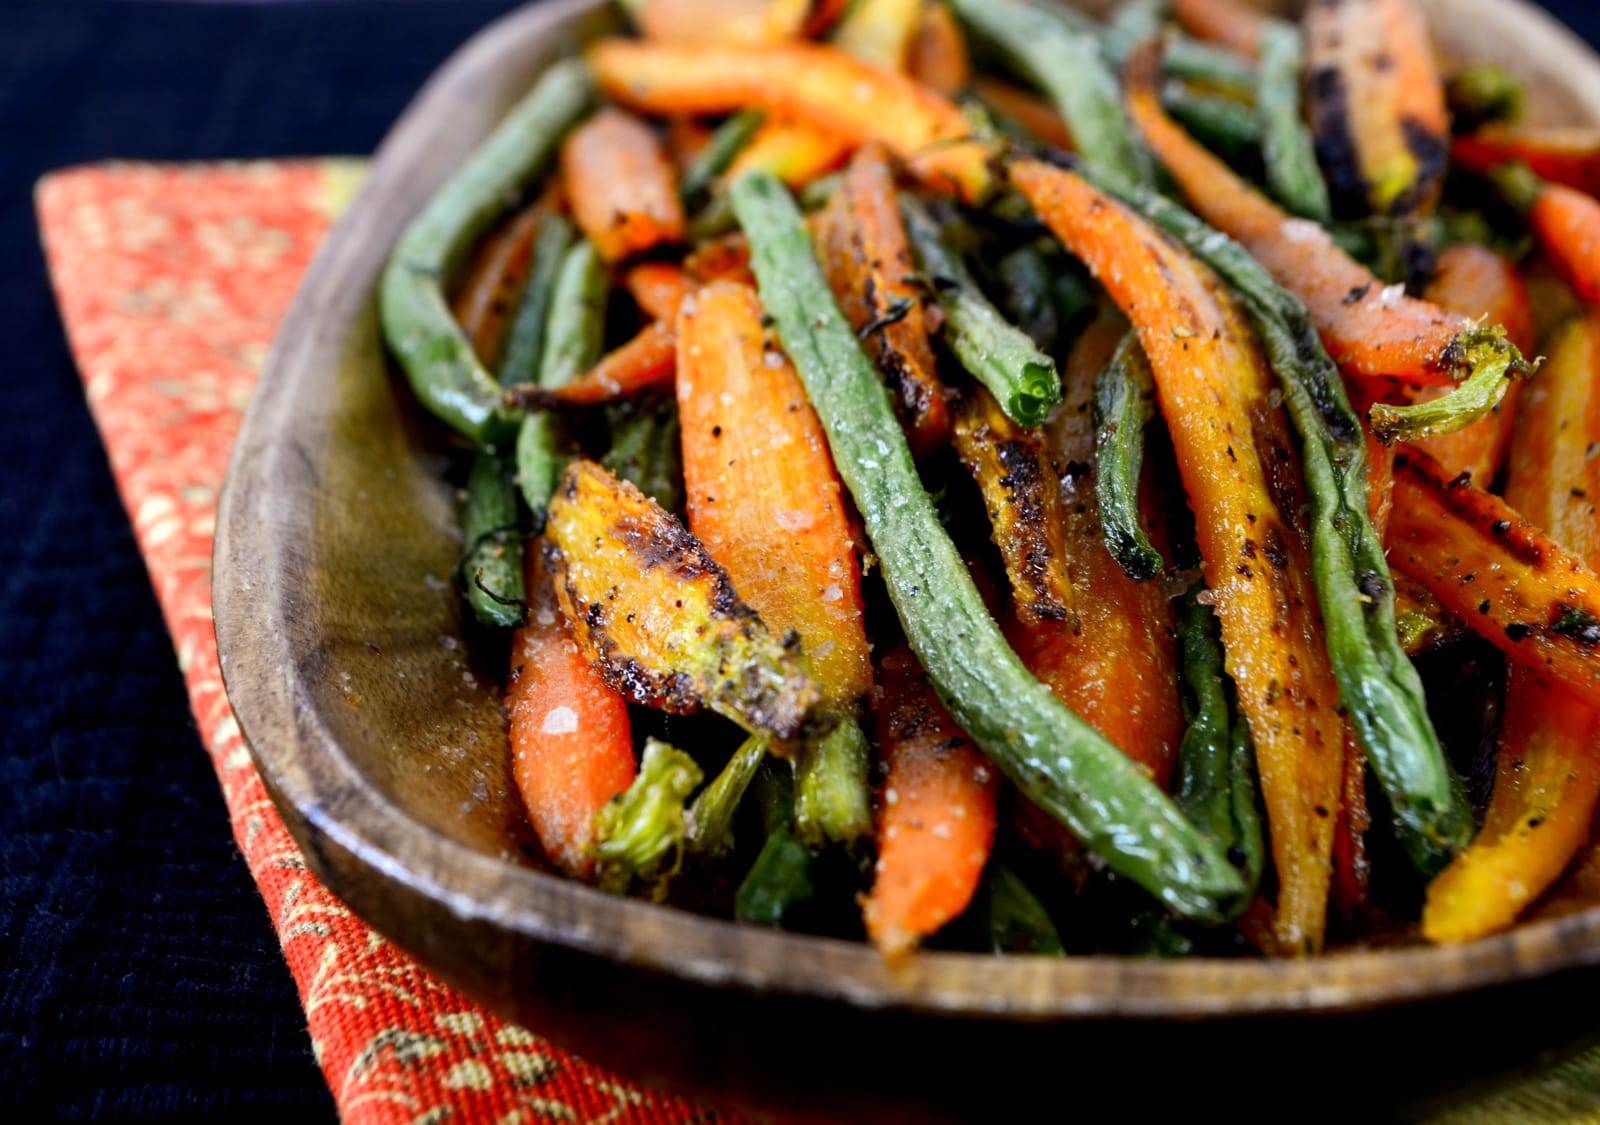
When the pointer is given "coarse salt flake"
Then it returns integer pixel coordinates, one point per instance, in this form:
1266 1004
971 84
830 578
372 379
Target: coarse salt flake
560 720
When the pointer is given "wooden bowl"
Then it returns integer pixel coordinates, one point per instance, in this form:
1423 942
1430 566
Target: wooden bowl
385 751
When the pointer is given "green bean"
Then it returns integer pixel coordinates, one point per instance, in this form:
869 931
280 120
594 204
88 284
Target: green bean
572 341
780 879
713 220
713 160
1024 286
832 802
1014 919
525 341
1231 127
1124 401
1056 759
645 449
1216 760
1355 590
491 563
639 834
423 335
1483 94
1287 149
1185 57
995 352
711 815
1066 63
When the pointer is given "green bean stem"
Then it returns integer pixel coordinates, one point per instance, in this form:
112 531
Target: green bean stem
993 350
1124 401
421 331
832 800
1053 756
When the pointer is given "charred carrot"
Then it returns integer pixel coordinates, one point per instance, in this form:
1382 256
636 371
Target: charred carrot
863 249
1033 114
937 56
1562 155
797 152
1376 105
1233 24
657 614
1566 223
937 815
1232 447
1510 582
620 185
722 259
1548 772
879 31
819 85
1367 327
1476 282
571 742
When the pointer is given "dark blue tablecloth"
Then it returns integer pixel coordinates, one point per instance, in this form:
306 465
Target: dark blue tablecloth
138 974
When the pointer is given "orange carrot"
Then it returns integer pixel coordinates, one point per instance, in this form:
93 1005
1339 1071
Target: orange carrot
659 288
1034 114
1352 870
646 361
620 185
819 85
868 262
1231 23
938 55
488 296
936 817
1562 155
1233 447
721 259
1548 774
571 743
722 21
1112 660
1566 223
1376 105
686 138
1476 282
1510 582
1368 328
794 151
763 494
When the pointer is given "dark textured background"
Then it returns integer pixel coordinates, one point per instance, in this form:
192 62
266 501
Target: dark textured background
138 974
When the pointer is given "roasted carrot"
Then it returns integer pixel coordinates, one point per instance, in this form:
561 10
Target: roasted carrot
1237 460
1033 113
1376 105
1510 582
1548 774
646 361
1368 328
1566 223
819 85
1476 282
938 55
620 185
488 295
721 259
722 21
1352 870
571 743
658 288
879 31
659 617
1112 660
763 494
687 138
936 816
1563 155
1012 467
1232 23
797 152
868 263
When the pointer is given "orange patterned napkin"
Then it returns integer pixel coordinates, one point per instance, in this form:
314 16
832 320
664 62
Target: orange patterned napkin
171 281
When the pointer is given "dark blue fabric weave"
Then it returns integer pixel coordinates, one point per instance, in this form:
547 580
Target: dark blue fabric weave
138 975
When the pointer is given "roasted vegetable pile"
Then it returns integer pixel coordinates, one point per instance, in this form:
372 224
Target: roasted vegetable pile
961 473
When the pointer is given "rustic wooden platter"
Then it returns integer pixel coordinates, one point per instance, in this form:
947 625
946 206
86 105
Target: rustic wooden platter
384 750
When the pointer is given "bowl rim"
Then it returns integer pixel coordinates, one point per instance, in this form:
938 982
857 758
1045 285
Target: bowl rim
301 754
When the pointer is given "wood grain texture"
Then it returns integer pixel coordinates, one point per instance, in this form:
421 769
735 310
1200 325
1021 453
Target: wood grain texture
383 746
